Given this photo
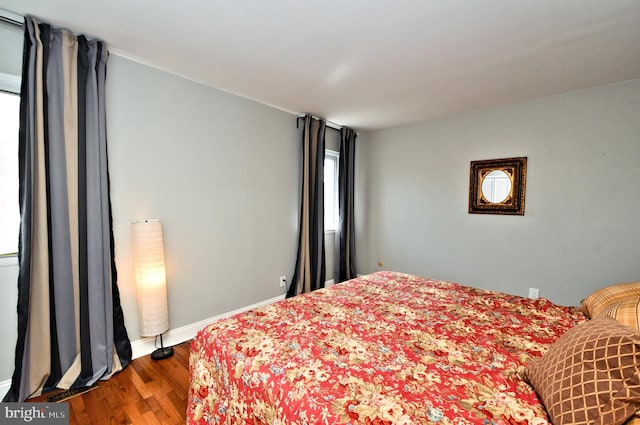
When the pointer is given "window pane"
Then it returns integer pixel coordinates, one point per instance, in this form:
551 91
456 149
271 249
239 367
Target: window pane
330 190
9 210
329 182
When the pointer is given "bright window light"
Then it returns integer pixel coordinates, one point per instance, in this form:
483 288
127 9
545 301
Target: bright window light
9 209
331 214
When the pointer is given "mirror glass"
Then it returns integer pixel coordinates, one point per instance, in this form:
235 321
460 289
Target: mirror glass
496 186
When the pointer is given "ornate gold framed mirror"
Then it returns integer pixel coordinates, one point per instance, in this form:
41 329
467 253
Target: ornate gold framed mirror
497 186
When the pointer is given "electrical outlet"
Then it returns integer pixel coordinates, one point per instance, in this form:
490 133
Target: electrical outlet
283 281
534 293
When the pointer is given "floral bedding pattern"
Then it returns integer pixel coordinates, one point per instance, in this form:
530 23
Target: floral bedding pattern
385 348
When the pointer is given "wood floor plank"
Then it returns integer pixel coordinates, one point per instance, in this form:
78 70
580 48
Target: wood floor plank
170 409
137 417
77 413
178 400
140 385
147 392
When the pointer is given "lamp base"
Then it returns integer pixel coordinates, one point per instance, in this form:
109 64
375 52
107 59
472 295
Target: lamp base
162 353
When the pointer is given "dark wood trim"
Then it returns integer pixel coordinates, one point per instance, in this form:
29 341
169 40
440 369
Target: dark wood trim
515 168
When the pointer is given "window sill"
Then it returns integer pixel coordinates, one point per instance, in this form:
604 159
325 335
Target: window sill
329 231
8 260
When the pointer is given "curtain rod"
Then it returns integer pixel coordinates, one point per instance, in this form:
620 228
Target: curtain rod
329 124
9 20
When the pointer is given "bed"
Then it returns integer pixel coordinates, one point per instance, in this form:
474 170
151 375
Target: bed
385 348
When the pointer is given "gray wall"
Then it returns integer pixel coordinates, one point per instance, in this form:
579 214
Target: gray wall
220 171
580 230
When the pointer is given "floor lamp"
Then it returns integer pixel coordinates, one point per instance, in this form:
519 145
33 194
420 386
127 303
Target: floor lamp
151 282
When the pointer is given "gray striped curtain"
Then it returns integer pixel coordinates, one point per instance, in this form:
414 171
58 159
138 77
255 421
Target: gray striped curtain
345 233
309 273
70 325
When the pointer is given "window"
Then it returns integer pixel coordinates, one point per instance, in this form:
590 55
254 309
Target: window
331 214
9 209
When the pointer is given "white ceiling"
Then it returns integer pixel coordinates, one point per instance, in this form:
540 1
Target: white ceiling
368 64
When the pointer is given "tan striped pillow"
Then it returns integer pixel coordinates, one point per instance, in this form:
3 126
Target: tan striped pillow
591 375
604 297
626 312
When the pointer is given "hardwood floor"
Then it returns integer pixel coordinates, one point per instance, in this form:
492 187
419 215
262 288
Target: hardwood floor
146 392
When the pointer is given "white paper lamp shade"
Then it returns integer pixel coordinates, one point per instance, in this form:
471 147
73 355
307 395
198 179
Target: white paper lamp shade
151 282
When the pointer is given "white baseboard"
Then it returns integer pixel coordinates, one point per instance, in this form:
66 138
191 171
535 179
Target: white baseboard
145 346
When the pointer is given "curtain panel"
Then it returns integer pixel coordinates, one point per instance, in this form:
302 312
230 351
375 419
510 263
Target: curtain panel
345 232
309 273
70 324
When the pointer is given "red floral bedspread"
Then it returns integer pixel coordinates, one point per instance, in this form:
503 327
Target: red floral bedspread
386 348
